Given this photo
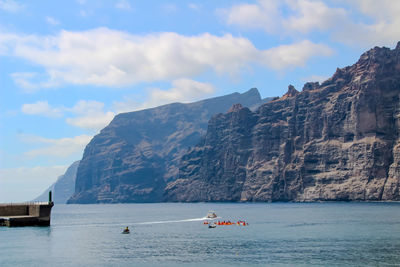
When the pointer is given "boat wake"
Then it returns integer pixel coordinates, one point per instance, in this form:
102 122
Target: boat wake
211 215
139 223
175 221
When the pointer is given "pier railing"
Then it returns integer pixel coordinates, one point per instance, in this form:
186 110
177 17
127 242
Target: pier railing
25 203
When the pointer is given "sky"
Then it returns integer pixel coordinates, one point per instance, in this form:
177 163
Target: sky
68 67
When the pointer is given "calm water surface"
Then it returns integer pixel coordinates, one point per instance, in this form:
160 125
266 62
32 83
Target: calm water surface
279 234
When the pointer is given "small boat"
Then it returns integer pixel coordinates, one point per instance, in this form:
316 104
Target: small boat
126 231
212 225
211 215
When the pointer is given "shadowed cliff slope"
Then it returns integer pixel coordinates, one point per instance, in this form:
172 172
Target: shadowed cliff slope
137 154
334 141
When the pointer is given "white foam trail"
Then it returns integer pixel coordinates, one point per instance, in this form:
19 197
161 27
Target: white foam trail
141 223
177 221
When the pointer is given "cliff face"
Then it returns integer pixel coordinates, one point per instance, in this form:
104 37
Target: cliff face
134 157
334 141
63 188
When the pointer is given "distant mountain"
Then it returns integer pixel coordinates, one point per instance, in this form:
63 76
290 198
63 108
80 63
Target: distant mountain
336 141
63 188
138 153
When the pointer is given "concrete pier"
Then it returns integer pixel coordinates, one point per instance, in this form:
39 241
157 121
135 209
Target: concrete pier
25 214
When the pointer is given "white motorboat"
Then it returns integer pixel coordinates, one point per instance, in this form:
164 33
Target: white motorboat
211 215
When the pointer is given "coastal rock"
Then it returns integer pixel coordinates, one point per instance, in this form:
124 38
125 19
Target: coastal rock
334 141
310 86
138 153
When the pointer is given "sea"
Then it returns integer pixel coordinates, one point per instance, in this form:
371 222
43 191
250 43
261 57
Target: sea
174 234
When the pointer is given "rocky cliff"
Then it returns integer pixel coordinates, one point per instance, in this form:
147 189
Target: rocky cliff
334 141
138 153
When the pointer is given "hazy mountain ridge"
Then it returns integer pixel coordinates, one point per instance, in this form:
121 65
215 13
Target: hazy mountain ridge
137 154
334 141
63 188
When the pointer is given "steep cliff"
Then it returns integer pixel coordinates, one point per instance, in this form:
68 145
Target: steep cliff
334 141
137 154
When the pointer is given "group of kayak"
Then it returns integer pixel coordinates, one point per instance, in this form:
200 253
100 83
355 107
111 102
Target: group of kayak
240 223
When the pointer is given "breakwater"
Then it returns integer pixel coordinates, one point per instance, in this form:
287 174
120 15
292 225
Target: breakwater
26 214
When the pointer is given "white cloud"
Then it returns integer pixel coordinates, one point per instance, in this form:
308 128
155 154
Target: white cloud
130 103
41 108
263 15
311 15
25 183
33 81
294 55
84 107
284 16
10 5
379 24
388 9
90 115
123 4
194 6
106 57
52 21
22 79
94 122
183 90
60 148
381 28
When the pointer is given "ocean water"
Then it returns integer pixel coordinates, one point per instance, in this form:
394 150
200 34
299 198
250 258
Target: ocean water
173 234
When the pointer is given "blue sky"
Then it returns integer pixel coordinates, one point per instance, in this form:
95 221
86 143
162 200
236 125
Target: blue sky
68 67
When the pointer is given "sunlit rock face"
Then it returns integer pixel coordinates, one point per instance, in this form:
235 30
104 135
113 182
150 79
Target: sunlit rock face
134 157
334 141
